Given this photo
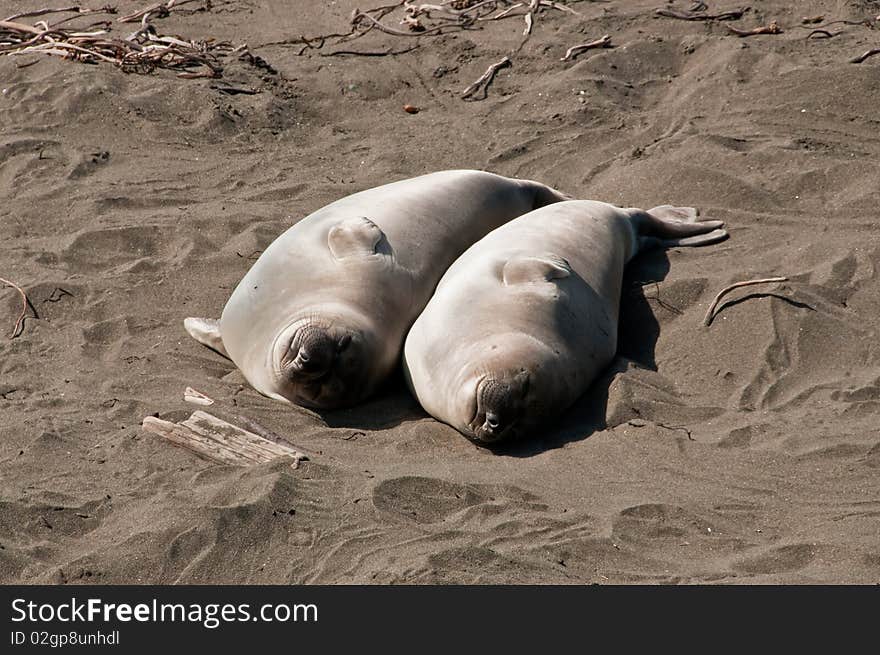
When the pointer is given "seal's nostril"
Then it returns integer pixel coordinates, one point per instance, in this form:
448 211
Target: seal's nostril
303 354
492 420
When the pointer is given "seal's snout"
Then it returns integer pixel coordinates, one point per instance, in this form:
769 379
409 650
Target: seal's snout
311 354
492 429
492 421
500 405
315 362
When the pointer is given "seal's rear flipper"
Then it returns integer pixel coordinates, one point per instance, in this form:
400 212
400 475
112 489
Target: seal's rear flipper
669 226
699 240
207 332
675 214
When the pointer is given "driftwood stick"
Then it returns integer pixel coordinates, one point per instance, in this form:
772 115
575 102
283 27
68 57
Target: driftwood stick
52 48
251 425
80 11
163 8
486 78
25 302
505 12
772 28
575 50
358 53
220 441
710 313
560 7
249 444
695 15
530 17
20 27
390 30
198 444
864 56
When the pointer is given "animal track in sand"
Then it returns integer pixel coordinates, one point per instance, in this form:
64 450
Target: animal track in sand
779 559
424 500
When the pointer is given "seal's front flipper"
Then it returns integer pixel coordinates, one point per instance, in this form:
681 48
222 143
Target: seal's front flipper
527 270
207 332
355 237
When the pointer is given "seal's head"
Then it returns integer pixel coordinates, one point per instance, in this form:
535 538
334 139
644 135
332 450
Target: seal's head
499 404
324 361
503 385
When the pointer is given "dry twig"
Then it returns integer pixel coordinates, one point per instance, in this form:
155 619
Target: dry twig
80 11
160 9
772 28
824 34
699 15
486 78
575 50
25 303
530 17
710 313
361 53
862 57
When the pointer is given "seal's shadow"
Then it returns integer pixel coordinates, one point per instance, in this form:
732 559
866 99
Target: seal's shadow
637 335
389 407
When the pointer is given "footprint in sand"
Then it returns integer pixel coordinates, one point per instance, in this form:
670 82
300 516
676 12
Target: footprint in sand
781 559
424 500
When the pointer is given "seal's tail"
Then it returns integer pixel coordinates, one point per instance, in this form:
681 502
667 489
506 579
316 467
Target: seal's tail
667 226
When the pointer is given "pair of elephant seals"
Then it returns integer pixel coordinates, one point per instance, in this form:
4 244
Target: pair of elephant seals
320 318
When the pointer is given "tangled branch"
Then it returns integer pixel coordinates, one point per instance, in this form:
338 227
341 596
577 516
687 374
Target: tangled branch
142 51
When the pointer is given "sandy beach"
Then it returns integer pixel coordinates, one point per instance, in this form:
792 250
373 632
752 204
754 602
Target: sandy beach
743 452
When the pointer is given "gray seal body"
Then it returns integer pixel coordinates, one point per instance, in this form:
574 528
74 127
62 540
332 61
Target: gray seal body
522 323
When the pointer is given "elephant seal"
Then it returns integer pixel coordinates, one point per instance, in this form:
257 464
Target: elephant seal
521 324
320 318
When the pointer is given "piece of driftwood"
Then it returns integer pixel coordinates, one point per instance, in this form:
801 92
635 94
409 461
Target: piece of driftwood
772 28
190 395
486 78
710 313
671 12
25 303
219 441
575 50
250 425
862 57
